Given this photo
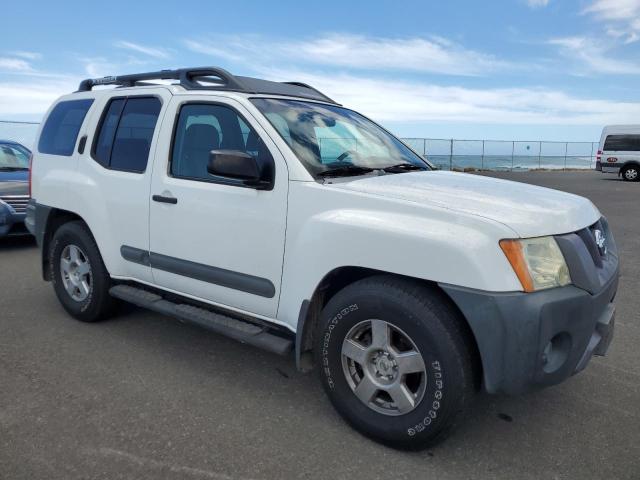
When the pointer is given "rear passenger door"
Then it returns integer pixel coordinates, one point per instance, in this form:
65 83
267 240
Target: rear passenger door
117 160
211 238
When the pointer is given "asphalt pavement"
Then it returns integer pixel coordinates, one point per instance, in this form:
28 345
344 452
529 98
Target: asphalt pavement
145 397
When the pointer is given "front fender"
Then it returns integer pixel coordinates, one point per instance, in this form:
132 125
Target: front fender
329 229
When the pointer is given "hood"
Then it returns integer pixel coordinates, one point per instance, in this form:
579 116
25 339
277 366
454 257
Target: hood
529 210
14 183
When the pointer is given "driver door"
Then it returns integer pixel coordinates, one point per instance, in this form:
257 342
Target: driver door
209 239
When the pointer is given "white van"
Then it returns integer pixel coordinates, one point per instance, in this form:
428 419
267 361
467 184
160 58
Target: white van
619 151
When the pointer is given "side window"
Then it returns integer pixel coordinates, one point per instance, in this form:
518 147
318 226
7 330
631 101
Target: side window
60 131
125 134
107 133
622 143
205 127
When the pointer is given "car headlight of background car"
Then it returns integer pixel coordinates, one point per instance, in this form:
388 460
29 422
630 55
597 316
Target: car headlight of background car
538 262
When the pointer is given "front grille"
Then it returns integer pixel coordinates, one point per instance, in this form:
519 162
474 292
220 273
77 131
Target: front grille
17 202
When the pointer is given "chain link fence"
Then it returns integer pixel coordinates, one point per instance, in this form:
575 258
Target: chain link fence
470 155
447 154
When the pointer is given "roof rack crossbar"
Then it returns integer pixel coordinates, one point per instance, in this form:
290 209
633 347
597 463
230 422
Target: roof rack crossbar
209 78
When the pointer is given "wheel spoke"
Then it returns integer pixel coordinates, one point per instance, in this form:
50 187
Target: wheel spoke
83 287
83 268
365 390
66 264
70 287
354 351
74 255
402 397
379 334
410 362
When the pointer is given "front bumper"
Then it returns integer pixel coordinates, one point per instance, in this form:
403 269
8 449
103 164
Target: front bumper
11 223
532 340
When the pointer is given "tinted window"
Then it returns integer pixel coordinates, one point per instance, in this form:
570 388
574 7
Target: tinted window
61 129
14 157
202 128
107 133
622 143
126 132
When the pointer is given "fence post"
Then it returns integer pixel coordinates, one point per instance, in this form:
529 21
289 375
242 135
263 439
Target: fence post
539 155
482 161
591 158
424 147
451 155
566 148
513 149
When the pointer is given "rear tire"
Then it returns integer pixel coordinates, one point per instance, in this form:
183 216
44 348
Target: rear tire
80 278
413 405
631 173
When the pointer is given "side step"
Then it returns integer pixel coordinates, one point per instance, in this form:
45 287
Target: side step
243 332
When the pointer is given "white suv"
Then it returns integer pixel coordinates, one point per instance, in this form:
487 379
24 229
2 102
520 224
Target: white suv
267 212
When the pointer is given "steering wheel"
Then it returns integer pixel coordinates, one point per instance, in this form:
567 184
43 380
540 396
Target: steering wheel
348 153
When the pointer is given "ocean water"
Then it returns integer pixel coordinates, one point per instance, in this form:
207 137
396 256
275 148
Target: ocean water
508 162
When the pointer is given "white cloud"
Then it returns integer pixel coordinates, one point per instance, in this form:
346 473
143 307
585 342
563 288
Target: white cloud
537 3
154 52
30 97
26 54
417 54
590 55
622 17
99 67
412 102
14 64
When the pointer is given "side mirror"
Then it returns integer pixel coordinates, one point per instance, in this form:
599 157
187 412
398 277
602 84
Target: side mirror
241 167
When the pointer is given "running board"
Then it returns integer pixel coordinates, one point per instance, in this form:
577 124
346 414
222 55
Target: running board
243 332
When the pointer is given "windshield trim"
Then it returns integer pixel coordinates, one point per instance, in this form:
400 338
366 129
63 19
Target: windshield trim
426 163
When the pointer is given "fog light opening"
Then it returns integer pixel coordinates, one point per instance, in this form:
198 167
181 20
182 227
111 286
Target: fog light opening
556 352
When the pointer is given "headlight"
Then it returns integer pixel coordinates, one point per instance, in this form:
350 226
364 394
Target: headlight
538 262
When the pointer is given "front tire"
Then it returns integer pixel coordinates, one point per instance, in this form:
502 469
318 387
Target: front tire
80 279
394 360
631 173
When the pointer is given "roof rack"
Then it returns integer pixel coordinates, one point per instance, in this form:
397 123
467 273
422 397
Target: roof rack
210 78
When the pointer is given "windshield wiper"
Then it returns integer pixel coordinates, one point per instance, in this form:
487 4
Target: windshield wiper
13 169
403 167
344 171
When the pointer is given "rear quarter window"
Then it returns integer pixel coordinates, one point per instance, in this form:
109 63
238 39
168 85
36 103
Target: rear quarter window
622 143
125 133
60 131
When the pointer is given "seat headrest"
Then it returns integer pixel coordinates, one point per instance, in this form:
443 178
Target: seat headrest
201 135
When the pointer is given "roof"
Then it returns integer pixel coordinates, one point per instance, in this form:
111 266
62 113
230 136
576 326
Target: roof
211 78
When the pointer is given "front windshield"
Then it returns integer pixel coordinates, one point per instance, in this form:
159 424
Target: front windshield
13 157
327 137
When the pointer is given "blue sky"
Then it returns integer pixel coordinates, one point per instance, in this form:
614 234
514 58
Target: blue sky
524 69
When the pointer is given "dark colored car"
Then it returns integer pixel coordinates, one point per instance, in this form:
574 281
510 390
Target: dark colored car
14 187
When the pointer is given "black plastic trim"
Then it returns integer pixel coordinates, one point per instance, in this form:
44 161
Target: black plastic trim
163 199
198 271
243 331
302 317
81 144
512 330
